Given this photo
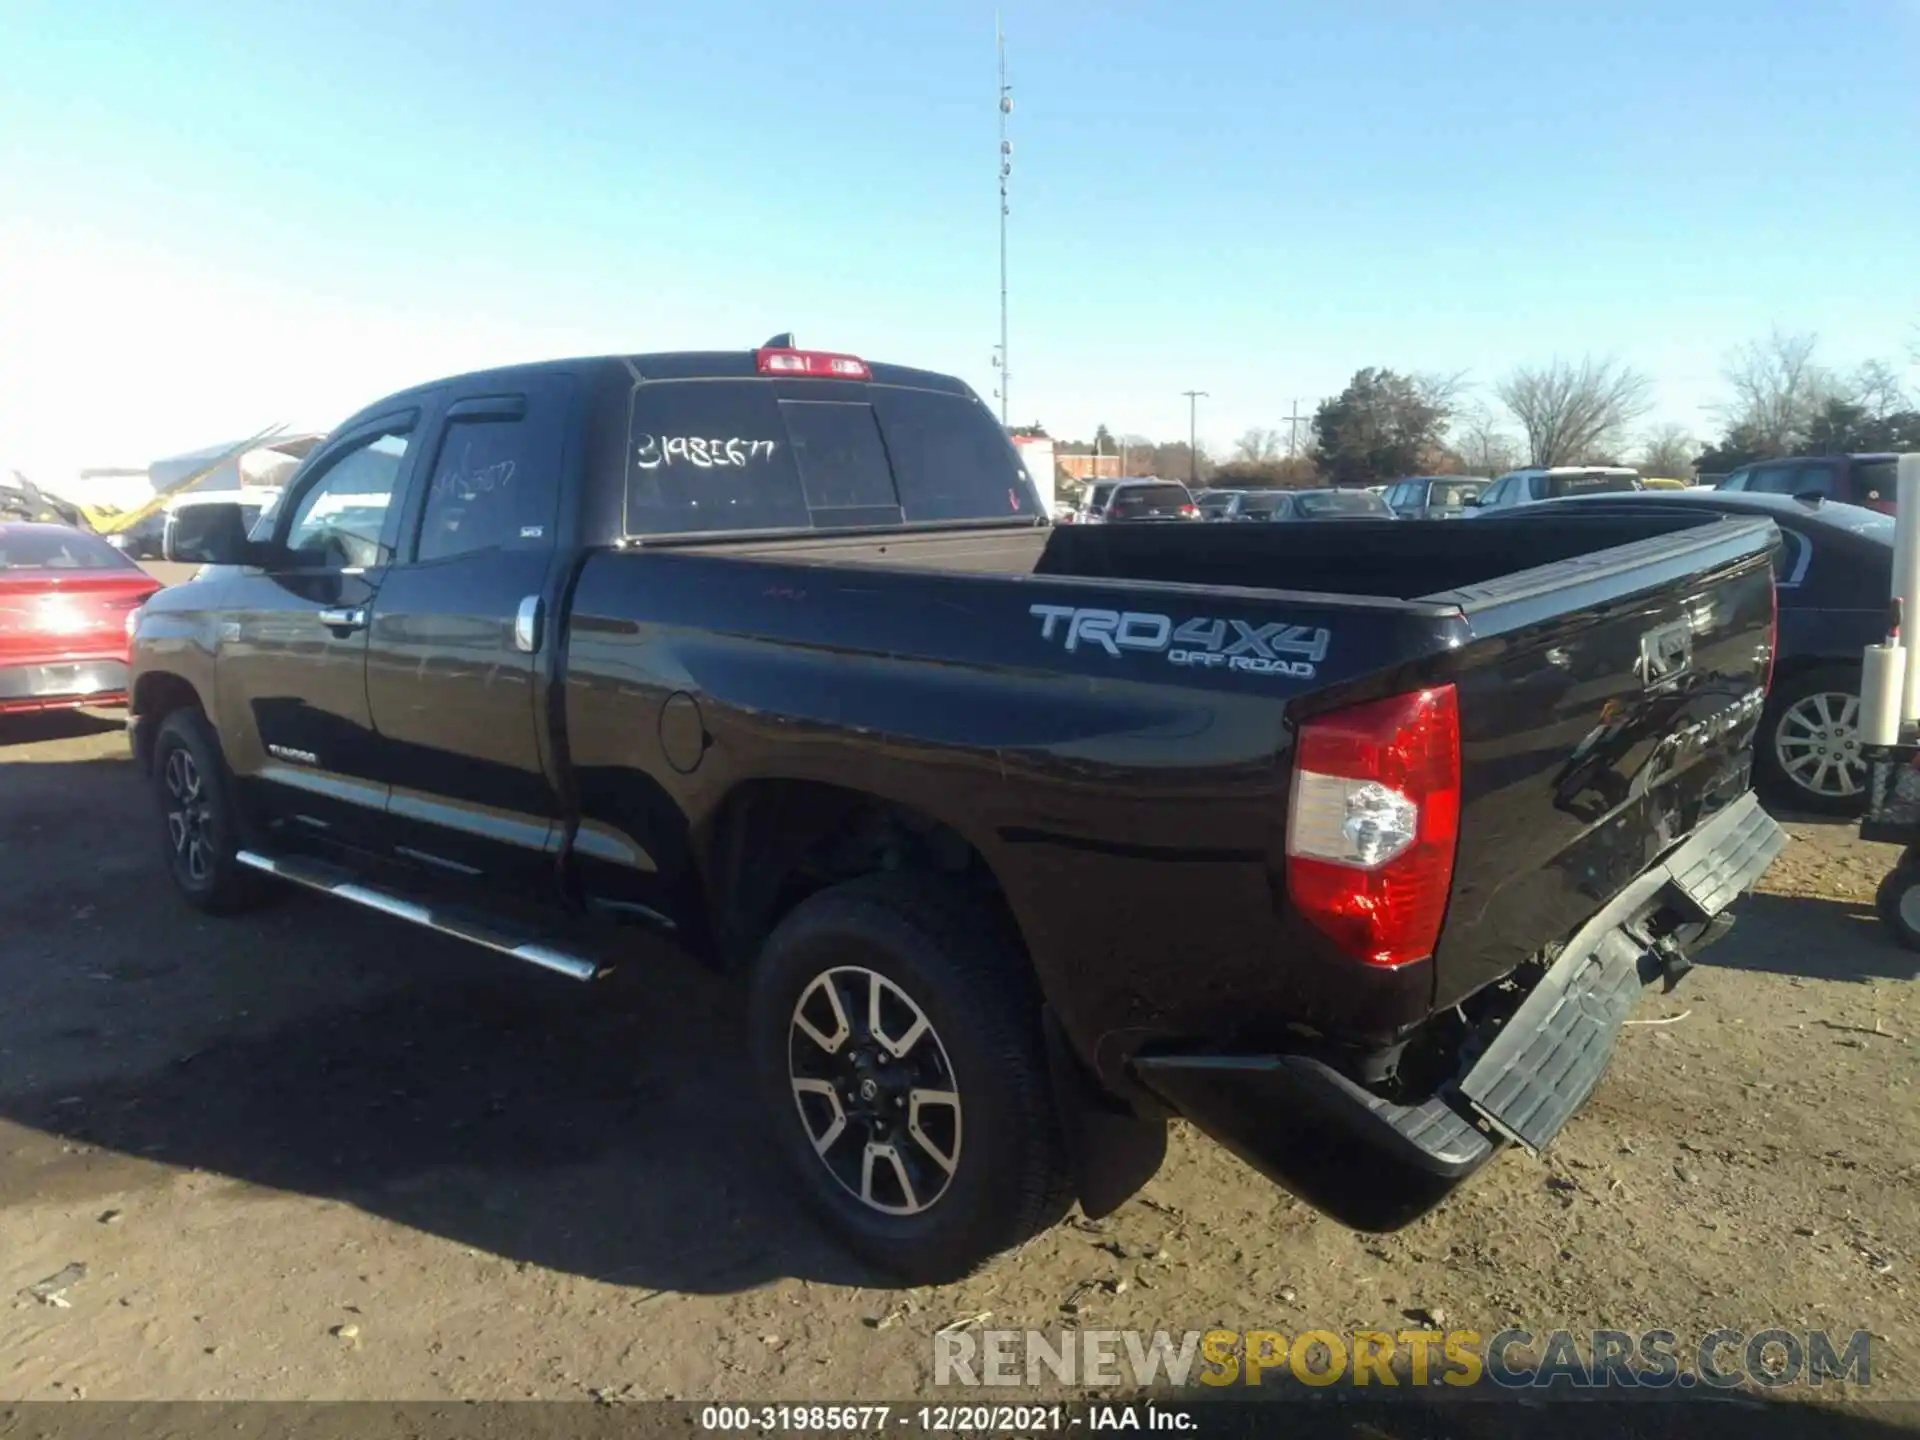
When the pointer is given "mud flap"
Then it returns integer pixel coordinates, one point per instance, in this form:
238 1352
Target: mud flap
1112 1150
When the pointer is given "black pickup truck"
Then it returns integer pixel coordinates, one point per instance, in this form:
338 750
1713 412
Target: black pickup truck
1351 844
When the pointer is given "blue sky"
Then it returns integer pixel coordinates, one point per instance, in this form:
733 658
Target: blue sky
215 216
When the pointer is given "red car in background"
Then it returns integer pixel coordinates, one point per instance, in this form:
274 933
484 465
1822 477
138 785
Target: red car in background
67 599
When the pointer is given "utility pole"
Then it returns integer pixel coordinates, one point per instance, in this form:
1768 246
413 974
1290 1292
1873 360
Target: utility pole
1293 431
1194 397
1006 169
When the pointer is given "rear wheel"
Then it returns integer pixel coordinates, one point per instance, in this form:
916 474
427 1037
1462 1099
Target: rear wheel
198 823
1809 747
896 1035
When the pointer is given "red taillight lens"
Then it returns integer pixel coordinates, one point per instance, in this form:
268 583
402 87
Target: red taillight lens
1191 512
1373 824
819 363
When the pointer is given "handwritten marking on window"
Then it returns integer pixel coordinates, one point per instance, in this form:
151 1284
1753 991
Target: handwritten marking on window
650 452
464 484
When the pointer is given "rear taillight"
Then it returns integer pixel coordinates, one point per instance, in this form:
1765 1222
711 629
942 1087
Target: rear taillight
1190 512
1373 824
819 363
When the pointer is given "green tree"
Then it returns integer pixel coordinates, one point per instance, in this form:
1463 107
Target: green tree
1378 428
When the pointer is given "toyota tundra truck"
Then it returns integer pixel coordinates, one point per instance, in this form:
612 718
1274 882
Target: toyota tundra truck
1352 845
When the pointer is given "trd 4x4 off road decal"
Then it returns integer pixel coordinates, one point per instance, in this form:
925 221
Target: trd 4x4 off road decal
1199 642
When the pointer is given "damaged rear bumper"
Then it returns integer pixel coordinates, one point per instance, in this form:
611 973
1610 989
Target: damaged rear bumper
1376 1164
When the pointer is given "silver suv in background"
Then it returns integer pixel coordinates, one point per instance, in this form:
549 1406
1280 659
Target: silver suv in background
1556 482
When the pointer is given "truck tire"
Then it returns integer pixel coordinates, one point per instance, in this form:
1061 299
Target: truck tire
895 1031
198 825
1808 750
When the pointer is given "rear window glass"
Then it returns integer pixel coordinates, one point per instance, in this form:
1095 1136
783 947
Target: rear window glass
951 460
724 455
58 550
843 466
1255 503
1215 504
1589 484
1875 478
1340 502
1149 500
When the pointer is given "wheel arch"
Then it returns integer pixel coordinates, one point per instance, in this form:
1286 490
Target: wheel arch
156 695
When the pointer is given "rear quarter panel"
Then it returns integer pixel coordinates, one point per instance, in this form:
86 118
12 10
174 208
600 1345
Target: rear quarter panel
1131 808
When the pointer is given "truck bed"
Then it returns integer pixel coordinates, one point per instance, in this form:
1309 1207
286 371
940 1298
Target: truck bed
1431 560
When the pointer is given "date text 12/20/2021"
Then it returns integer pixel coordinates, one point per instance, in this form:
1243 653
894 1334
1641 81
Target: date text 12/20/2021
944 1419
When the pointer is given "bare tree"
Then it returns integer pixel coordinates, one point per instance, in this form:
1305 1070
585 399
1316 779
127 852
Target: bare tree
1258 444
1877 389
1668 450
1777 390
1483 447
1441 389
1570 412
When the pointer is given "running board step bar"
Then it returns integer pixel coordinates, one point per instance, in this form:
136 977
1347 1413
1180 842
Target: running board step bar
341 884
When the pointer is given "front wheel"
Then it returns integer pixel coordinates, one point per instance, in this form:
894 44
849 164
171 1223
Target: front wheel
1808 750
198 822
896 1035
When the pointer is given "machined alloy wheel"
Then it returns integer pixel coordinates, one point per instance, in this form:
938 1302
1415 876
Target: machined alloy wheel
875 1090
190 818
1816 741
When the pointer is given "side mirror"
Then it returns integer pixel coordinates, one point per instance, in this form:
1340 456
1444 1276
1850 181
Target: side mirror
207 535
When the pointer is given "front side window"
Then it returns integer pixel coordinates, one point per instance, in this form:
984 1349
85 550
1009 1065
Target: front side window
338 521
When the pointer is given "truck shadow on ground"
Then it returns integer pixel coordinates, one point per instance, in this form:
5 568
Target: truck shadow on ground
1817 938
610 1133
609 1130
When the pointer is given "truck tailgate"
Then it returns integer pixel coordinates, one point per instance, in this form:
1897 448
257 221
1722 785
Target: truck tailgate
1597 737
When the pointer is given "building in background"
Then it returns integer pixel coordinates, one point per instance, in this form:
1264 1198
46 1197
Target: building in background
1036 452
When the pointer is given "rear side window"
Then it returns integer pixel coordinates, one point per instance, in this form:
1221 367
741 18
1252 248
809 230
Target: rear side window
1590 483
951 460
493 488
725 455
1355 503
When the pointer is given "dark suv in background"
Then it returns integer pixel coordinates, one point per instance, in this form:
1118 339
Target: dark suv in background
1853 479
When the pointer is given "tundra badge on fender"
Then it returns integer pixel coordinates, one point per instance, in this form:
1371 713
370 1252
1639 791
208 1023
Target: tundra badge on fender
1199 642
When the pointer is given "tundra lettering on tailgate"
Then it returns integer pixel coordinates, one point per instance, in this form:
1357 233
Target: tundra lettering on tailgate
1200 642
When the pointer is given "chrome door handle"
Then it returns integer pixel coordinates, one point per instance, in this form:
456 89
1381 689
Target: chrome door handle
526 625
344 619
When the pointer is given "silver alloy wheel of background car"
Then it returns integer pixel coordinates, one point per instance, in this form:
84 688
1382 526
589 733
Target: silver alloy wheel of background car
875 1090
189 816
1817 742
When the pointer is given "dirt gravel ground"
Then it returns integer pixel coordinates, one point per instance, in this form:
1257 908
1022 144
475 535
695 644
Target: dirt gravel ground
315 1154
